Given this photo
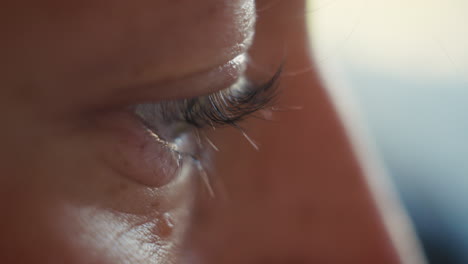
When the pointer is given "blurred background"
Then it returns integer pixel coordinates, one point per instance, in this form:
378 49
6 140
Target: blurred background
405 63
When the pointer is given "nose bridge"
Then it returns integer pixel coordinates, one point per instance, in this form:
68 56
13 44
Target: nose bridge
255 228
265 214
301 199
287 216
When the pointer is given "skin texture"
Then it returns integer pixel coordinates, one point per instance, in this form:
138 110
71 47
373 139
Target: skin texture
302 198
70 66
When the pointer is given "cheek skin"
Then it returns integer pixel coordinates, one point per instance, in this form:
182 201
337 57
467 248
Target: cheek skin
67 207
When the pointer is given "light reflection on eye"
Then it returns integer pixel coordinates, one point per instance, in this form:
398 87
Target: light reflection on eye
178 124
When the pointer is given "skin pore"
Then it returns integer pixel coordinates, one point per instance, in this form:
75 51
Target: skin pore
75 184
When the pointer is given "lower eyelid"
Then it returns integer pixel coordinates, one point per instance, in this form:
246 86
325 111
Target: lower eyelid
132 150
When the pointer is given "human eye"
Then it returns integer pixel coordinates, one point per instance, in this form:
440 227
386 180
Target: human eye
179 125
152 107
227 107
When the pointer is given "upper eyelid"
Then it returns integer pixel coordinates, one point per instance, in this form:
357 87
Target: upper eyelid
210 80
226 107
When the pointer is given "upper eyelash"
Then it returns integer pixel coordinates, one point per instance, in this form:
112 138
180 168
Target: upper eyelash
226 107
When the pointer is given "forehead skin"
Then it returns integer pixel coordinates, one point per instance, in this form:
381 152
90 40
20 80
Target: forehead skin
101 44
